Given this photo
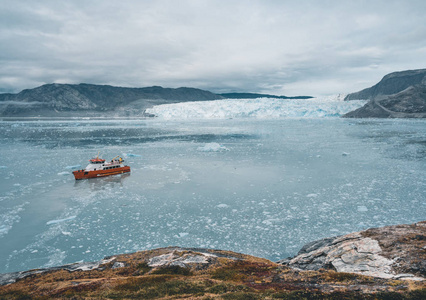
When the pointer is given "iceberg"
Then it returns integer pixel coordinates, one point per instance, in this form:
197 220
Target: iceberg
212 147
261 108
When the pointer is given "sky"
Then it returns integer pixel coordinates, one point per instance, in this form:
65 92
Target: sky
277 47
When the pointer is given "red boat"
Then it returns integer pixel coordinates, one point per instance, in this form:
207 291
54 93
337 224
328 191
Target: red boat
99 168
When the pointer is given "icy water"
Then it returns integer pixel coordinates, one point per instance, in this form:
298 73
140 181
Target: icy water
261 187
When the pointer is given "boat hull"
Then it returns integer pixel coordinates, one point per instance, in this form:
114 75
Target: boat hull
83 174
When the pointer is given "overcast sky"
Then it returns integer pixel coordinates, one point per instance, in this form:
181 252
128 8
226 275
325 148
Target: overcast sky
279 47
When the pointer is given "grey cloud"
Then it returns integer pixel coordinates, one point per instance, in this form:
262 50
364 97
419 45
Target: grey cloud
285 47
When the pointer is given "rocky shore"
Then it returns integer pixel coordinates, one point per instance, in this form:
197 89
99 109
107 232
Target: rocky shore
397 252
378 263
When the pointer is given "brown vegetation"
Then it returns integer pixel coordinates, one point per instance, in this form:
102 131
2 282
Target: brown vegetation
227 276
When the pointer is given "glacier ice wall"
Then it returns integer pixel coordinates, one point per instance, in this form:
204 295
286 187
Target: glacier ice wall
261 108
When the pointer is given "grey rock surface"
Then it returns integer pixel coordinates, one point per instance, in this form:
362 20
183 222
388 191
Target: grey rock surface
387 252
8 278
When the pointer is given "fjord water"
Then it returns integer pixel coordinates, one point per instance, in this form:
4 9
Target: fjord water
257 186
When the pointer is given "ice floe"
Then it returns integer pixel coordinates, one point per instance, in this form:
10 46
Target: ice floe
212 147
73 167
222 205
60 220
362 208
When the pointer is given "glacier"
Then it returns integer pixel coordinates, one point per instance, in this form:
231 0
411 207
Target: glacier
261 108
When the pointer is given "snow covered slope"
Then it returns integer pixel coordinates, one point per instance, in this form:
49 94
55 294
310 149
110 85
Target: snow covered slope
332 106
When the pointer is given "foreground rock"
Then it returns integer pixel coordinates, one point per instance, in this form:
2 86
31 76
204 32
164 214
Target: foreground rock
397 252
397 95
188 273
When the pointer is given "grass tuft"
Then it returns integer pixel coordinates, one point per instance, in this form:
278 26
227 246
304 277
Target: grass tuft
173 270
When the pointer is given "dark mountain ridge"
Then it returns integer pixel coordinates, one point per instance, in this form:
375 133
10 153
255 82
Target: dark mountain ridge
95 98
397 95
255 95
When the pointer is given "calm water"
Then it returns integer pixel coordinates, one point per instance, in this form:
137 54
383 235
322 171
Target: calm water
261 187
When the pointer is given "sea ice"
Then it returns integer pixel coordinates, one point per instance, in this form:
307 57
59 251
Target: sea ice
131 155
222 205
60 220
73 167
4 229
251 199
362 208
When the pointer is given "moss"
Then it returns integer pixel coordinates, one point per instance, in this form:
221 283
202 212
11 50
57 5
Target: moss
242 270
170 288
241 296
16 295
417 295
137 283
225 274
339 277
223 288
143 268
173 270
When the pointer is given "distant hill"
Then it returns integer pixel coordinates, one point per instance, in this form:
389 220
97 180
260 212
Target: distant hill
104 100
397 95
75 99
254 95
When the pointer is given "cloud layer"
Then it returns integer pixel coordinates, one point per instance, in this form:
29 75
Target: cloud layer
282 47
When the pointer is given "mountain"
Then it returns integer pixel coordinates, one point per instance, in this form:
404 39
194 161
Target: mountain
71 99
254 95
397 95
